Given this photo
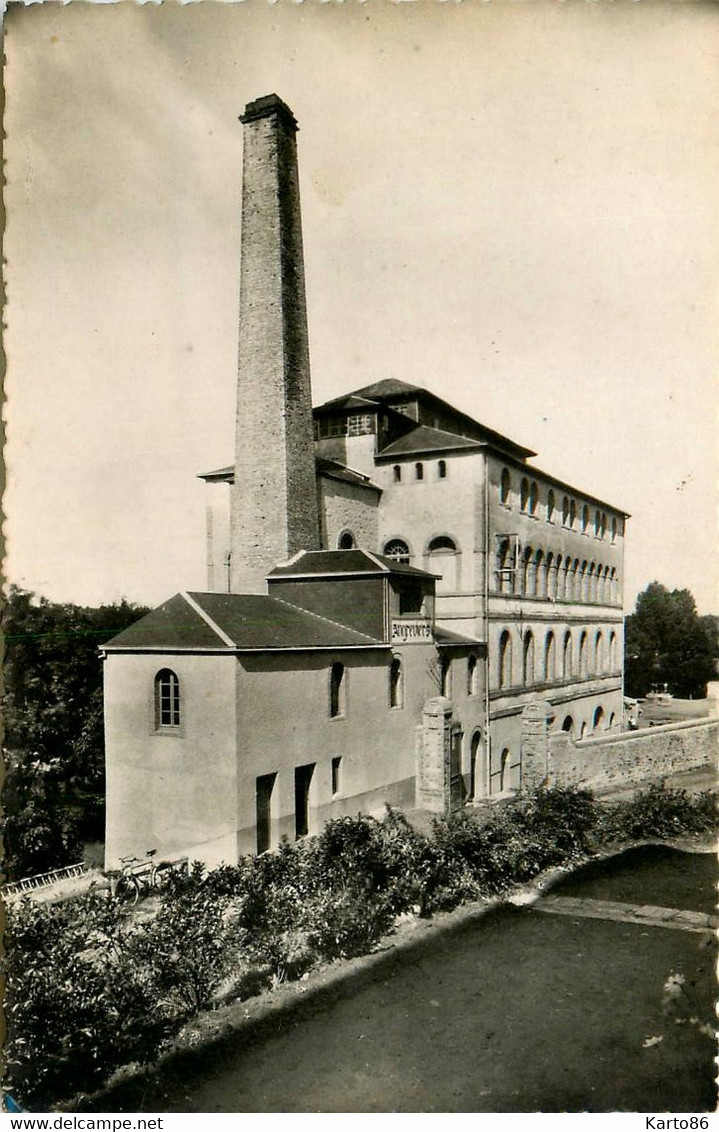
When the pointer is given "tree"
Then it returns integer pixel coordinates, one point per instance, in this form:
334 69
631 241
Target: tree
53 796
666 643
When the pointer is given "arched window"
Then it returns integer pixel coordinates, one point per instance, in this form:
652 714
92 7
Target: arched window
346 541
550 506
540 575
533 497
613 586
598 718
614 529
398 550
504 770
505 567
568 724
505 486
550 577
599 652
572 514
397 473
527 571
338 691
549 657
442 470
472 676
612 721
567 656
419 471
565 511
528 658
603 529
167 699
442 558
612 651
583 732
585 519
558 579
396 683
505 660
524 494
583 664
597 525
582 595
568 594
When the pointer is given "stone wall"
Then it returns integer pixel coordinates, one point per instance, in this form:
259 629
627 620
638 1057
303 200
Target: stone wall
611 761
634 756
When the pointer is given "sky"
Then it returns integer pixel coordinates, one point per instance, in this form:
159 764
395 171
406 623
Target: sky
512 204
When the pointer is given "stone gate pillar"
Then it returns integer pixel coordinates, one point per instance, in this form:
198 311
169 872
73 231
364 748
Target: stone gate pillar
535 744
433 756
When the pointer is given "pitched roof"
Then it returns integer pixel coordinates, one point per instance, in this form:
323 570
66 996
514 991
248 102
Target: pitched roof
335 471
447 637
330 468
427 439
390 389
336 563
235 622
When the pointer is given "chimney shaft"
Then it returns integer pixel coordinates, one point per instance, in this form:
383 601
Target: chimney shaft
274 500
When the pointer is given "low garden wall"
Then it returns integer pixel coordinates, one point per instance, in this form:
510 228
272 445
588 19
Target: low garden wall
627 759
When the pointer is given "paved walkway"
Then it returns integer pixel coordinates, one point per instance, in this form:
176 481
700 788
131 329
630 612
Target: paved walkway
649 914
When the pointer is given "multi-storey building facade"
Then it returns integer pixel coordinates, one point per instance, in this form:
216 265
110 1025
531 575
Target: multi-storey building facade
390 583
528 566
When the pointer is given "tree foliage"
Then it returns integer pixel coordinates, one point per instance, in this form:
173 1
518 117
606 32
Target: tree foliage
53 796
666 643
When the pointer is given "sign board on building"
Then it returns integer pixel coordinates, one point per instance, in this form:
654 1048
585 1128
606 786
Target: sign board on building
415 630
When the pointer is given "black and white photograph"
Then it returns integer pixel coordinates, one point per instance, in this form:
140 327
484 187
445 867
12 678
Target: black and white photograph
360 603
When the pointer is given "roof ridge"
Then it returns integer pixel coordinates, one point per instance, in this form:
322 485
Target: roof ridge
208 619
327 620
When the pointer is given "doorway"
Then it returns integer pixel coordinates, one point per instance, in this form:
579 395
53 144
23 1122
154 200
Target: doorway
263 821
475 766
303 781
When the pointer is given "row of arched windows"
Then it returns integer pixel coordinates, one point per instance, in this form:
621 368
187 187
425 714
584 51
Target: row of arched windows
554 577
583 730
418 473
559 659
589 521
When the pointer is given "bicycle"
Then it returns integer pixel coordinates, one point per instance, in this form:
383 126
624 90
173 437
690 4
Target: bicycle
136 876
139 877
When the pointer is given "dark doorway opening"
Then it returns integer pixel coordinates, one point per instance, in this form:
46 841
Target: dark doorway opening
303 780
265 786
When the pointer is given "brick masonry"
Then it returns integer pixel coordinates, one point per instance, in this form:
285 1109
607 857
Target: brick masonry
274 503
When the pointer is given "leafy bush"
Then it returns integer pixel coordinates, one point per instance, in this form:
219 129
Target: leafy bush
78 1005
659 811
93 986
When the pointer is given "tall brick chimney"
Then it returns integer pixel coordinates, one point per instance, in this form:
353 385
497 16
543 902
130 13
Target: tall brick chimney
274 501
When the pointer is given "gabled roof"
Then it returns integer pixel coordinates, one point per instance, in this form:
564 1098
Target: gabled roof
215 622
342 563
426 439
